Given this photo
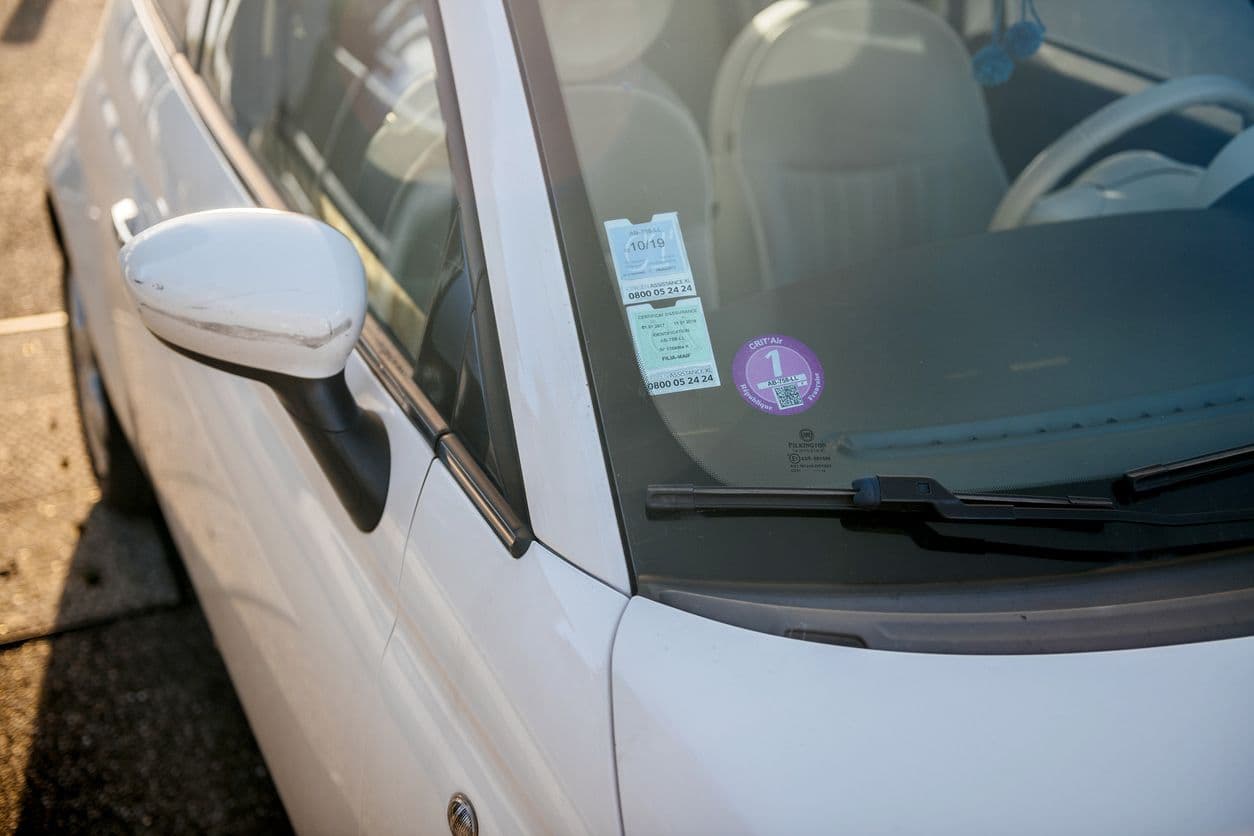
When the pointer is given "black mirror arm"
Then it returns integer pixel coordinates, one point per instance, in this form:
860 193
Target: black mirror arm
350 444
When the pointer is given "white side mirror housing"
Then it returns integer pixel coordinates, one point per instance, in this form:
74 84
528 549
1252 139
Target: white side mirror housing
257 288
279 298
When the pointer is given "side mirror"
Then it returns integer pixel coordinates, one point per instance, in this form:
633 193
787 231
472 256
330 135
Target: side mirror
279 298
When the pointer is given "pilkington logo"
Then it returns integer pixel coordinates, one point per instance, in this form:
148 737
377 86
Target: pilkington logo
807 441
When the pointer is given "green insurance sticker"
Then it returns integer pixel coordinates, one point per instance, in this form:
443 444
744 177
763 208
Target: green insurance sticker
673 347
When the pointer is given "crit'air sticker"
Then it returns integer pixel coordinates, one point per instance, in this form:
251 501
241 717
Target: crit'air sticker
778 375
673 347
650 259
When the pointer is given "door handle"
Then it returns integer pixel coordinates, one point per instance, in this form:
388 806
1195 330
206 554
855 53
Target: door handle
126 222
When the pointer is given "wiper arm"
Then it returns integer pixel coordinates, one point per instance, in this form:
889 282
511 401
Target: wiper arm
1156 478
919 497
1066 527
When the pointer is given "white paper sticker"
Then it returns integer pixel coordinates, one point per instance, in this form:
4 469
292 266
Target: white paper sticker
650 259
673 347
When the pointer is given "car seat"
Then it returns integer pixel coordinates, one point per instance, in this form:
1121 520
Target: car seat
842 130
640 150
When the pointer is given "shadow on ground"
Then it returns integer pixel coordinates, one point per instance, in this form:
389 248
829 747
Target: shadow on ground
138 728
116 712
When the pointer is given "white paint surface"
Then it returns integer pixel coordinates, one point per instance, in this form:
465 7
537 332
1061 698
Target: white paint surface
559 443
495 683
267 290
724 730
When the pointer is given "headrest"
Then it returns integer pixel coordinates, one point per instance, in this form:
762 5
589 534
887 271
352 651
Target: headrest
593 39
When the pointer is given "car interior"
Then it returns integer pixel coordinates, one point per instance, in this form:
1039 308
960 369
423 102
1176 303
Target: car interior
769 127
838 165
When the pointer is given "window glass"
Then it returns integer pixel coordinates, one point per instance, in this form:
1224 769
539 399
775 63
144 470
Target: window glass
809 249
471 418
338 100
1161 38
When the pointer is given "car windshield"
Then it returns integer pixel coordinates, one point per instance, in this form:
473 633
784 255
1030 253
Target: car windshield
1006 245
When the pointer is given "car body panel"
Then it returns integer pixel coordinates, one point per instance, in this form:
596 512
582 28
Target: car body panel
725 730
300 601
495 683
83 173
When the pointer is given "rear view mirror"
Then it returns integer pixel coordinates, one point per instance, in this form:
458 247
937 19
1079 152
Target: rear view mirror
270 291
279 298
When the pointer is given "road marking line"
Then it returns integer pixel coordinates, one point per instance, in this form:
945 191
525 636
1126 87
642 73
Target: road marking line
35 322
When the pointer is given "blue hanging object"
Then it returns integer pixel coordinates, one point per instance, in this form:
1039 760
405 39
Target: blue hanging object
992 65
1024 38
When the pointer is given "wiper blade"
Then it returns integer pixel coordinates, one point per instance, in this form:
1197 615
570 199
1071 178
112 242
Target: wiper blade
1156 478
918 497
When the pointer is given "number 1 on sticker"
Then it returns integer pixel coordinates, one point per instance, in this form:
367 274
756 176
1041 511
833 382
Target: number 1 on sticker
777 370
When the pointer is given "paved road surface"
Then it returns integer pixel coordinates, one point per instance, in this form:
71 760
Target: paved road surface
116 714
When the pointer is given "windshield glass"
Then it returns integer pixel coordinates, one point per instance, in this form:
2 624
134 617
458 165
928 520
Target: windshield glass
1006 245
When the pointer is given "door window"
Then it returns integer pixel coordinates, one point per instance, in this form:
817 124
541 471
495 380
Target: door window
340 104
338 101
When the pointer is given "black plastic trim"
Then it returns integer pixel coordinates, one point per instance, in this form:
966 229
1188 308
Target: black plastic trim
349 443
395 373
1178 602
376 348
500 415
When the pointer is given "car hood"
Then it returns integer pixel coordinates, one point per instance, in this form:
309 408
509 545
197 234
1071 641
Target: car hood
724 730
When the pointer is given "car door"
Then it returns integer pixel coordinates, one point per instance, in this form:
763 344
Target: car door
300 599
494 689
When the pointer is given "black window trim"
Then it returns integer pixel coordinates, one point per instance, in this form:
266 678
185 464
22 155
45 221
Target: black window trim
506 516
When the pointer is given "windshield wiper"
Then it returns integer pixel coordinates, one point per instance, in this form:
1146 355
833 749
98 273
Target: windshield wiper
922 498
1156 478
1061 527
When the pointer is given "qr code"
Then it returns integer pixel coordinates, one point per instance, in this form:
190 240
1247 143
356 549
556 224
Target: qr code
787 396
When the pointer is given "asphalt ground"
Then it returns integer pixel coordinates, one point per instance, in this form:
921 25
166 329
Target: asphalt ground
116 712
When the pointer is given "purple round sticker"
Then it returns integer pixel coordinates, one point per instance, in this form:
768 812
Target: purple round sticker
778 375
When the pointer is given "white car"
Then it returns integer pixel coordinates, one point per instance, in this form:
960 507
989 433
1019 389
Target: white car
691 416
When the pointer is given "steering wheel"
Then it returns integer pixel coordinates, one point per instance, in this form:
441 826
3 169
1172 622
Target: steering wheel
1108 124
